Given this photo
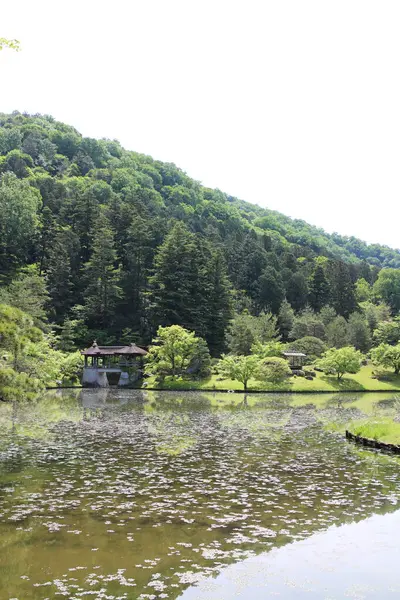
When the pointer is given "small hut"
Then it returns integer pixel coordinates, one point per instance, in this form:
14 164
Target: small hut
116 364
296 359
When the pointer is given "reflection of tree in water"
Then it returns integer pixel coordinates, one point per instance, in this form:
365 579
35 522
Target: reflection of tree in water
256 417
171 515
171 420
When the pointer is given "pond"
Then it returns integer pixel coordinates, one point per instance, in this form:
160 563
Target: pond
118 494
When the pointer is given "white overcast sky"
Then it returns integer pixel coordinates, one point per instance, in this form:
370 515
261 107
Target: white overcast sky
290 104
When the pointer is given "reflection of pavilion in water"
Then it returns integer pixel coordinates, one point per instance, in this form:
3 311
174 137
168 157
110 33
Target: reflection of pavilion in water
115 365
103 397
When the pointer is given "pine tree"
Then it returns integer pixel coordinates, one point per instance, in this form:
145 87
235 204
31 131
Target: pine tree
343 292
59 276
285 320
219 303
297 291
319 293
179 285
102 275
270 290
138 256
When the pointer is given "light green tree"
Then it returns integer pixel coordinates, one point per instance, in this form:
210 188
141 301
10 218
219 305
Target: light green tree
311 346
19 222
245 330
307 323
240 368
388 332
387 287
174 351
28 293
359 333
337 332
268 349
363 290
387 356
338 361
273 370
11 44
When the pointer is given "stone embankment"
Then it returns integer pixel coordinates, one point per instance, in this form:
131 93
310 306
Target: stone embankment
372 443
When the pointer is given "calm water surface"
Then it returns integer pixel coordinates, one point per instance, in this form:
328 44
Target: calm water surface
122 494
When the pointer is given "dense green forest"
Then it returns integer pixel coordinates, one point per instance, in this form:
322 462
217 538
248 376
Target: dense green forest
97 242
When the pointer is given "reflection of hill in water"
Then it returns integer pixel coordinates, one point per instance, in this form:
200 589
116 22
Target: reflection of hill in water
171 487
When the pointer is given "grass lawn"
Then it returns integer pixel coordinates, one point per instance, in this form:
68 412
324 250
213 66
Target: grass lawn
382 430
360 382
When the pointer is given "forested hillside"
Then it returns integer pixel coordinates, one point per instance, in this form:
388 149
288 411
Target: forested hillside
100 242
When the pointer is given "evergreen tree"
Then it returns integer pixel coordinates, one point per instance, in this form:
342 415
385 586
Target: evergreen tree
138 257
285 319
270 290
343 292
297 291
102 276
359 333
319 294
180 289
219 303
337 333
59 276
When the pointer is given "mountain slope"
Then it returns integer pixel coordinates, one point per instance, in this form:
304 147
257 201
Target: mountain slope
95 219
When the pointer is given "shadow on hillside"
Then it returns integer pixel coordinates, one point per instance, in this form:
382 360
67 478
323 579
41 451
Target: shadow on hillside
343 385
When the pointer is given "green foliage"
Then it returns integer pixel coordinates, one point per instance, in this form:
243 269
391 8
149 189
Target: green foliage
387 287
327 314
342 289
297 291
337 333
358 332
19 205
307 324
177 352
363 290
268 350
245 330
387 356
272 370
313 347
12 44
338 361
388 332
17 386
271 291
102 276
28 293
126 242
375 313
285 319
29 359
319 292
239 368
190 286
71 367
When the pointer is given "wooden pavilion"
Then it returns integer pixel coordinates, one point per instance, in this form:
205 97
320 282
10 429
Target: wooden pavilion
296 359
116 364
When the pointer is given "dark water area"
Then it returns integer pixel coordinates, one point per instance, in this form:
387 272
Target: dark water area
118 494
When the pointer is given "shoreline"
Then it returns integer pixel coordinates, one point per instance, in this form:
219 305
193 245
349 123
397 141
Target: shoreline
227 391
370 443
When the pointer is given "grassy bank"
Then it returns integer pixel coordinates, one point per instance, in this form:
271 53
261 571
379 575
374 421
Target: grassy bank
361 382
383 430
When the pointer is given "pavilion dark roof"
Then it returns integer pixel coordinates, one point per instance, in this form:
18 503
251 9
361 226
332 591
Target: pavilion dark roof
131 350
